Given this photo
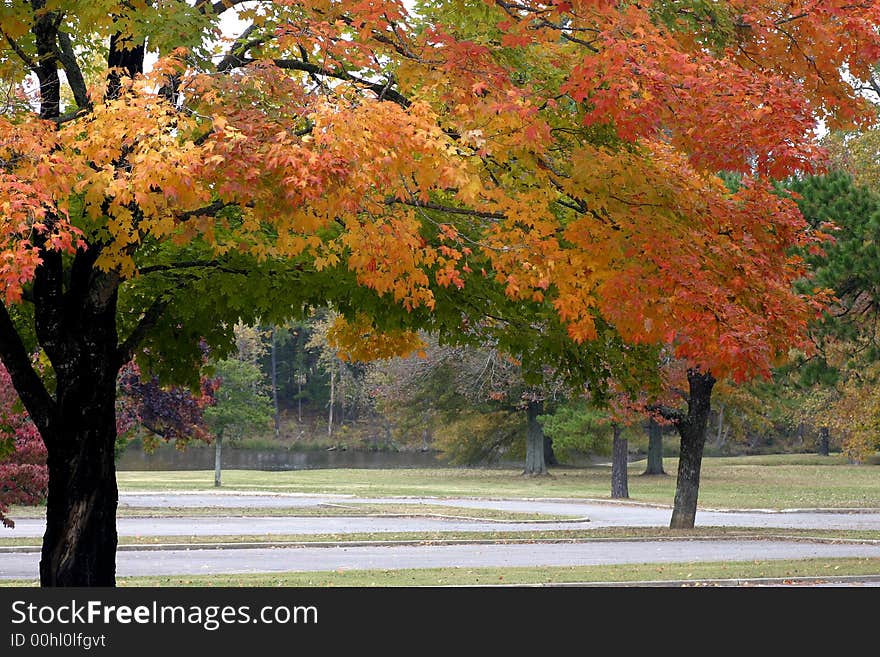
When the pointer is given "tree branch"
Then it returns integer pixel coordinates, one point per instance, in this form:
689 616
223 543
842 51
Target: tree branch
28 384
380 89
239 49
446 208
208 210
674 415
125 351
75 78
28 61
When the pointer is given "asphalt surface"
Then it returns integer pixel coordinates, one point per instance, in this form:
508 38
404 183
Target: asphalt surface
598 515
310 558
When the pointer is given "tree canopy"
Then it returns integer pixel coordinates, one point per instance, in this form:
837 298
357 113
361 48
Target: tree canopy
381 160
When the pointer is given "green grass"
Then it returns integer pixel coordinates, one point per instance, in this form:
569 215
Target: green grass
817 569
777 481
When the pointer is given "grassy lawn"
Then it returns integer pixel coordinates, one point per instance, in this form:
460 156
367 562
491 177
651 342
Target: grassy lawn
812 568
775 482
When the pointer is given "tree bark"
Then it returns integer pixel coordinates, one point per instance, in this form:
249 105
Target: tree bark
332 399
655 449
535 463
299 399
619 479
77 329
79 545
823 444
720 435
276 415
692 429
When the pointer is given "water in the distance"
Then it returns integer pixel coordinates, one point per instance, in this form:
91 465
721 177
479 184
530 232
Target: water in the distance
167 457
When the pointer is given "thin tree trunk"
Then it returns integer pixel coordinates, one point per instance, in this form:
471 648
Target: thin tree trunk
218 450
655 449
692 428
332 399
299 398
720 435
277 415
535 463
823 445
619 479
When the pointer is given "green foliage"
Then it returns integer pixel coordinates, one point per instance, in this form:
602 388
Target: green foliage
848 264
578 426
710 22
475 437
242 404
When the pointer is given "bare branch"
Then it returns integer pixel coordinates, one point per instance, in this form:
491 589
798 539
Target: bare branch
446 208
75 77
380 89
208 210
125 351
28 61
28 384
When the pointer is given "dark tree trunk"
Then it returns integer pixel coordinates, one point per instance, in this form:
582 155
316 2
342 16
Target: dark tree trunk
78 332
655 449
549 454
692 428
535 463
619 460
79 546
823 444
75 323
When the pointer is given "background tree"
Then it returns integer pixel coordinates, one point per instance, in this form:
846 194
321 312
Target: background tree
241 401
241 404
654 460
840 377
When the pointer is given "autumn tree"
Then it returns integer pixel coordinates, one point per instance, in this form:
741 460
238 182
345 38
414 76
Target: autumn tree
637 108
357 155
136 206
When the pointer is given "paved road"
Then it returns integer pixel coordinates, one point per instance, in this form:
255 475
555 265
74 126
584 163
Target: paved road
599 515
176 562
257 526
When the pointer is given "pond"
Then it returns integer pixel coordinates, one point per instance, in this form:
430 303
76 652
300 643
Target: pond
167 457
